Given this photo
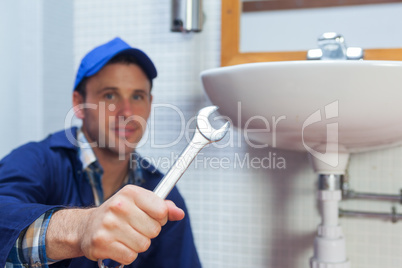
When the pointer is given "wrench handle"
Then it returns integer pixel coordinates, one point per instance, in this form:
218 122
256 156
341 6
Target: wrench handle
180 166
175 172
171 178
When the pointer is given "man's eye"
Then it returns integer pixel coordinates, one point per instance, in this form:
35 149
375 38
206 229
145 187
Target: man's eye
138 97
109 96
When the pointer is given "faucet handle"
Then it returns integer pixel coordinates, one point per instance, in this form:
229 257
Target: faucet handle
354 53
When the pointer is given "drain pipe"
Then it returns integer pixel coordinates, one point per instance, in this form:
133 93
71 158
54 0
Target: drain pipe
329 244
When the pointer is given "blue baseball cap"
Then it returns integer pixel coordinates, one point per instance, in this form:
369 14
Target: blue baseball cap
99 56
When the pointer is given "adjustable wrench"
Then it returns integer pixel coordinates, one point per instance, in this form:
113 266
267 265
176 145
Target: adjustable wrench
204 135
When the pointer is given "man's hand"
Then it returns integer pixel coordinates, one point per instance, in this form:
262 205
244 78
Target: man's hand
119 229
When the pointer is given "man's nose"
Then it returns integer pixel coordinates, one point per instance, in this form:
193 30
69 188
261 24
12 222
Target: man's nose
125 108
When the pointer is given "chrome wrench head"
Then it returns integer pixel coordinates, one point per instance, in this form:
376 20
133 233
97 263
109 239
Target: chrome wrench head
205 128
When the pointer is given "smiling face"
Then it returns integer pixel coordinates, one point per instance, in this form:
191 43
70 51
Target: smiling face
117 106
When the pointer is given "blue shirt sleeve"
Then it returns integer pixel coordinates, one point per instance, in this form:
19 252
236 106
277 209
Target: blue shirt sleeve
22 198
30 250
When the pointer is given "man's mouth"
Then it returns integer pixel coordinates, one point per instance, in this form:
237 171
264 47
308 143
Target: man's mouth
124 131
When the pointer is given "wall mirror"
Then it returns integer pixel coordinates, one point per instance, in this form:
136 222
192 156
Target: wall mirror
292 41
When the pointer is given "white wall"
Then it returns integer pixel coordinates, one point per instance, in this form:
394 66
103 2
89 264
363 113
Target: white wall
20 72
242 217
36 70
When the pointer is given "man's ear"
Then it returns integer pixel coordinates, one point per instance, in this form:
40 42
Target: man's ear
78 105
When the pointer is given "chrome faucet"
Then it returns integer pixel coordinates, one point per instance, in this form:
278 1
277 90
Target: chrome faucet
332 46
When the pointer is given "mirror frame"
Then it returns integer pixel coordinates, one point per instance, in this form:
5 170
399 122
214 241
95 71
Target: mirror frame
230 43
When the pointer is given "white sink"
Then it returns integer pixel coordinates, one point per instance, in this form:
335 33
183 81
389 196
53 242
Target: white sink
327 108
359 102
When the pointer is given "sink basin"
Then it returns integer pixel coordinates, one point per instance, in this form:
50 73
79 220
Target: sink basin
327 108
312 105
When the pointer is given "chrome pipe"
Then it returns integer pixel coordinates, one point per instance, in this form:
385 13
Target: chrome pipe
384 197
393 216
330 182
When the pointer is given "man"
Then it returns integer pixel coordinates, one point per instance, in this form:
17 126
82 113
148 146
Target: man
84 194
